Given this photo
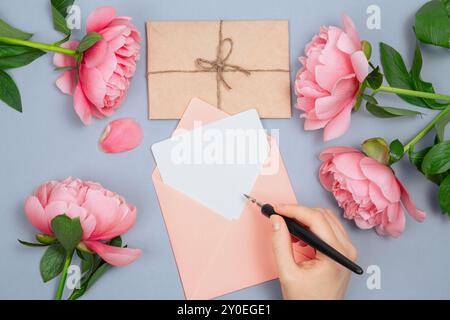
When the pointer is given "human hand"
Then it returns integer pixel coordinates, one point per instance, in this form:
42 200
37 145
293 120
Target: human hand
321 277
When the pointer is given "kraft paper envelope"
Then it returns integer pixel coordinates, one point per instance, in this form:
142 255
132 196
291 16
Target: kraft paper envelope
215 255
233 65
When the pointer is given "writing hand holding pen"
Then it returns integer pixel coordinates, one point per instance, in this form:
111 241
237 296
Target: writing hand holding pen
319 278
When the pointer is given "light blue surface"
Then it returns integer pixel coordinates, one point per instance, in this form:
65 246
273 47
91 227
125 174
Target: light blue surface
48 142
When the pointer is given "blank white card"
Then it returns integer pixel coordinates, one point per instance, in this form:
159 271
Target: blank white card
217 163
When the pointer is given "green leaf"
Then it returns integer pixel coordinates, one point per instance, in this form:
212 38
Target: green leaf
87 261
68 231
416 158
444 195
396 151
115 242
389 112
52 262
97 274
420 84
9 93
370 99
88 41
31 244
440 127
396 73
59 13
432 23
375 78
12 56
437 160
8 31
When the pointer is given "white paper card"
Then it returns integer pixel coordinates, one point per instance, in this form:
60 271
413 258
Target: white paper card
216 163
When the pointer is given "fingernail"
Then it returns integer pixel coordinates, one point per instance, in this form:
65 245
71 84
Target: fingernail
275 225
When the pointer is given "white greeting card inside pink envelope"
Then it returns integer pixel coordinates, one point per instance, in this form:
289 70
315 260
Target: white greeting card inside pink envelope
216 163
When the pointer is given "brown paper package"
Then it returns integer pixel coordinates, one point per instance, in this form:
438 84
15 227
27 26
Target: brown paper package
235 65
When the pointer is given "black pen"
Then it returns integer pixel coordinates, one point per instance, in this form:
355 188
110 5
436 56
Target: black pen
301 232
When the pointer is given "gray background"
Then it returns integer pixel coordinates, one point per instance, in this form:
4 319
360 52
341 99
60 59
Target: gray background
48 142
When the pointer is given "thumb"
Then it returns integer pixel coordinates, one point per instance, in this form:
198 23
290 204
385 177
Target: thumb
282 246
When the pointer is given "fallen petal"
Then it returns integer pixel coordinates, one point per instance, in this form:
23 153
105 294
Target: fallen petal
121 135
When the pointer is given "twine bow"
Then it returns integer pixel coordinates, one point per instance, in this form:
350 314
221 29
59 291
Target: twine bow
220 65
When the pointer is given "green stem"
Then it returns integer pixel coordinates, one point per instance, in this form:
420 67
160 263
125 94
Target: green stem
62 280
427 128
39 45
406 92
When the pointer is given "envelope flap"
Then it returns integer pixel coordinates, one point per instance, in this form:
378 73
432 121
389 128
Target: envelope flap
166 39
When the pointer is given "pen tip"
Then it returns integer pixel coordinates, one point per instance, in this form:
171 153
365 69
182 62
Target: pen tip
247 196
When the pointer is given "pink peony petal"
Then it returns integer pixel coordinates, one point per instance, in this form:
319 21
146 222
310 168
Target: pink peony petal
36 215
396 220
328 107
359 188
360 65
126 222
363 224
350 30
67 82
330 152
108 65
326 178
345 44
348 164
96 54
339 124
111 33
100 18
43 191
93 84
114 255
88 226
81 105
377 197
306 104
105 209
55 208
121 135
63 60
417 214
383 177
314 124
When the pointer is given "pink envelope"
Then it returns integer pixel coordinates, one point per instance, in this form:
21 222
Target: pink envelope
214 255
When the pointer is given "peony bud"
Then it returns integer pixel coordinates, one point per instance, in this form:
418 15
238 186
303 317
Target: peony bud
377 149
366 48
121 135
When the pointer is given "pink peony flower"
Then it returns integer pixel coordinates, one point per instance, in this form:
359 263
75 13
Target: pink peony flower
333 68
103 215
367 190
106 68
121 135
